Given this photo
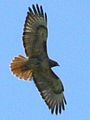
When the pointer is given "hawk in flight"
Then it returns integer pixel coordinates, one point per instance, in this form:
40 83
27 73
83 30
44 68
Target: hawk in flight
37 65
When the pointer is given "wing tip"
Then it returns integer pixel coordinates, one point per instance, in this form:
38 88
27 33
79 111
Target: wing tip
37 9
56 106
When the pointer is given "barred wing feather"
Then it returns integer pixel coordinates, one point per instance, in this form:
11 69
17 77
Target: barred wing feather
35 31
51 90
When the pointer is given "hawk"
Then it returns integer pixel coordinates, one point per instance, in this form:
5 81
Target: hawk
37 65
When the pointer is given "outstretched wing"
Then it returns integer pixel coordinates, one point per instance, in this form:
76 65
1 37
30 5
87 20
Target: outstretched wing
35 32
51 90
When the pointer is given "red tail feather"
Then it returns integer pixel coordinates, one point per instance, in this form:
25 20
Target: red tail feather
20 69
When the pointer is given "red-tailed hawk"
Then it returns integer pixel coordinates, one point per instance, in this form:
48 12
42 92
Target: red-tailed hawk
37 65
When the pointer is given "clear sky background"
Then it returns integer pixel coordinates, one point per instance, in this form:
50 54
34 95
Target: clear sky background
68 43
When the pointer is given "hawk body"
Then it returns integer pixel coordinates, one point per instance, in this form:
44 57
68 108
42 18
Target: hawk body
37 65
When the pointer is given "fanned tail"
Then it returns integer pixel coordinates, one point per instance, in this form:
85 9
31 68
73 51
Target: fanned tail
20 69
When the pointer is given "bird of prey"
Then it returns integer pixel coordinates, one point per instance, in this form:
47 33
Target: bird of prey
37 65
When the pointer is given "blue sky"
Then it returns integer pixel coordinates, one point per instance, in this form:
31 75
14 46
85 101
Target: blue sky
68 43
